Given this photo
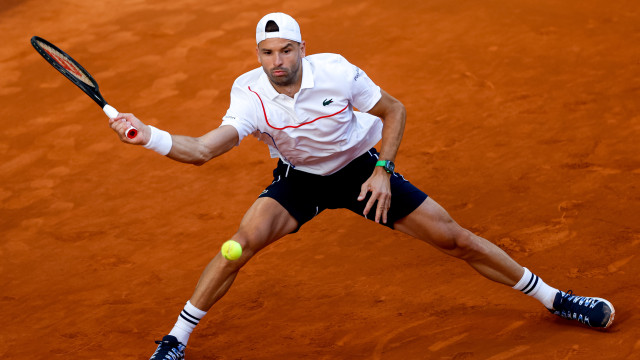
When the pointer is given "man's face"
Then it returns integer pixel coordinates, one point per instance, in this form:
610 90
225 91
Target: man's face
281 60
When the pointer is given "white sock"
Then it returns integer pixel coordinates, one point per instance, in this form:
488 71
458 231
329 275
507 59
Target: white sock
187 321
532 285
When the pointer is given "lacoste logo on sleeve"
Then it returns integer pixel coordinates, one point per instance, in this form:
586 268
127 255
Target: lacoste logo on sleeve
327 102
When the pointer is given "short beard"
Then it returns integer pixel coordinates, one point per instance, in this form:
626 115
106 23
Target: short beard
288 80
279 81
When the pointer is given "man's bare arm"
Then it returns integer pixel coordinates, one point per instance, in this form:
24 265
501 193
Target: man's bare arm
186 149
394 115
199 150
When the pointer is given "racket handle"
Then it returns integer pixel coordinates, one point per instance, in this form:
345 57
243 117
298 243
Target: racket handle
112 113
131 132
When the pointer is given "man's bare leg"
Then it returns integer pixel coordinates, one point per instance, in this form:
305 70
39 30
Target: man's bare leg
431 223
265 222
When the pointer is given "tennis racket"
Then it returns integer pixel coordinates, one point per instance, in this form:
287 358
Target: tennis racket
73 71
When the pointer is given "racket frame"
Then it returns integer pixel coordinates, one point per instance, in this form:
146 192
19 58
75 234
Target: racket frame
92 90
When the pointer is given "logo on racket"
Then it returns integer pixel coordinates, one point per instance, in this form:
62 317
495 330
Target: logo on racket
65 63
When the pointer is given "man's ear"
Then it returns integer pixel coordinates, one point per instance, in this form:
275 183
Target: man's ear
303 48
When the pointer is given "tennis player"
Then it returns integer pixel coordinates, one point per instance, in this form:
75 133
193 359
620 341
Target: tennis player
303 108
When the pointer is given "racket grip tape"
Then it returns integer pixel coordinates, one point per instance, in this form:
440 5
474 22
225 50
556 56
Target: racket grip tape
113 113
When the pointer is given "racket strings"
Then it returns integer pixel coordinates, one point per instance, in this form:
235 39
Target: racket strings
68 65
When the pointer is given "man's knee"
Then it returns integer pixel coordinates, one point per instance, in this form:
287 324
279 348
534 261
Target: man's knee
250 242
465 245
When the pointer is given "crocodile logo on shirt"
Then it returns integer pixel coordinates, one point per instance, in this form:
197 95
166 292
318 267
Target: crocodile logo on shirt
327 102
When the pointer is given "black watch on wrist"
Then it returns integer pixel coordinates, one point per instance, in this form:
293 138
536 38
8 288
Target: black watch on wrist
388 165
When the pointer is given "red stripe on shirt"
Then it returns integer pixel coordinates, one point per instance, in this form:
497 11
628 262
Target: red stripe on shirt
291 126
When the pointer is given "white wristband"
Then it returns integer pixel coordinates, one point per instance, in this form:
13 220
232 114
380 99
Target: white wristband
160 141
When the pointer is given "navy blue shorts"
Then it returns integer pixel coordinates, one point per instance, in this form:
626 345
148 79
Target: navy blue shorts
306 195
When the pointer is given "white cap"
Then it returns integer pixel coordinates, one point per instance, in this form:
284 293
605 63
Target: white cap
289 28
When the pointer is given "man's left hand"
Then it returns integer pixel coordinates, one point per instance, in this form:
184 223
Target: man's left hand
380 187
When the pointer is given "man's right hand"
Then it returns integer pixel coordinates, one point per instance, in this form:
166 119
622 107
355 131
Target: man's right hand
122 122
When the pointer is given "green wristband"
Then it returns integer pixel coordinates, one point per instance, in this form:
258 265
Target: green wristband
388 165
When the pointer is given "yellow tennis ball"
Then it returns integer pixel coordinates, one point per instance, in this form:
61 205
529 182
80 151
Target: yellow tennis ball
231 250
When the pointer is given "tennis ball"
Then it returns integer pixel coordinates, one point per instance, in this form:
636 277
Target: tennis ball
231 250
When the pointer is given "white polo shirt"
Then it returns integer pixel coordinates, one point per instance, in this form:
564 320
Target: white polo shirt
318 130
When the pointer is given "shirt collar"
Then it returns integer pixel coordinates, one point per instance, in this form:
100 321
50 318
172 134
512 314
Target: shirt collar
307 75
307 81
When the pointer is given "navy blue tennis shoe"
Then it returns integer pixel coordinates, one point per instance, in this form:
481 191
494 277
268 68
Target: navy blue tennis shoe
169 349
591 311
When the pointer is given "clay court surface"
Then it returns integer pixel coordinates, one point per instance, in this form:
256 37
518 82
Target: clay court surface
524 122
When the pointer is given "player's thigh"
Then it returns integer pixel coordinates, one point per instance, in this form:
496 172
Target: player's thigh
265 222
430 222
